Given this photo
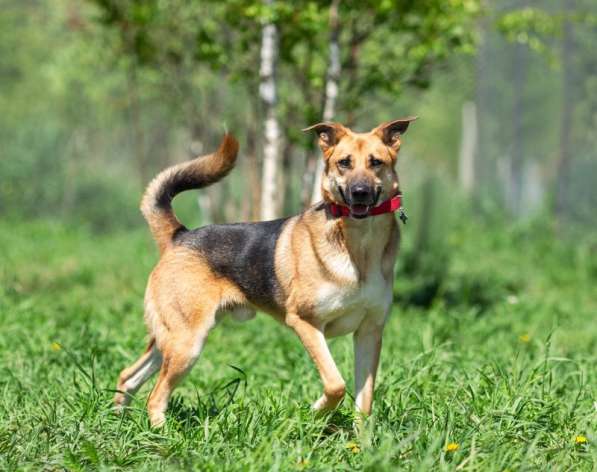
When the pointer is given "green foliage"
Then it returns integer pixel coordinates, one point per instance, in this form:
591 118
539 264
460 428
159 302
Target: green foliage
399 43
530 26
226 36
513 388
538 27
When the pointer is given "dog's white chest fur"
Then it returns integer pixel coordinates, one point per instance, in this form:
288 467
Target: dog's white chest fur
343 306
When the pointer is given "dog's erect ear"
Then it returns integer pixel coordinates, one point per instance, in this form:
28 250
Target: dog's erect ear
329 133
390 131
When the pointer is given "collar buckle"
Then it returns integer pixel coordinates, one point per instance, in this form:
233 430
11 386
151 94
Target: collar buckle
402 215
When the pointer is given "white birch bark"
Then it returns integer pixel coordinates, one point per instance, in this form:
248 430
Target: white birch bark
569 85
331 91
468 147
271 136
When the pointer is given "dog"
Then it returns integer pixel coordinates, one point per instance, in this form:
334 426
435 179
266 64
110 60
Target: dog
325 272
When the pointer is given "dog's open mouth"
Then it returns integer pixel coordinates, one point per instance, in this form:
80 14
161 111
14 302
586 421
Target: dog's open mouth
359 210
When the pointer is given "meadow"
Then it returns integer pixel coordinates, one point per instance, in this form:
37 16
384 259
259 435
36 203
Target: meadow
497 372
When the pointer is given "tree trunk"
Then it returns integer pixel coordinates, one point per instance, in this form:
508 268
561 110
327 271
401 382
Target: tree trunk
284 180
468 148
425 225
271 136
136 126
254 183
212 206
565 154
517 154
331 90
352 70
311 159
482 105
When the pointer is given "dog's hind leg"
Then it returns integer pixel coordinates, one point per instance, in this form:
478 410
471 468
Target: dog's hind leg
180 350
182 302
132 378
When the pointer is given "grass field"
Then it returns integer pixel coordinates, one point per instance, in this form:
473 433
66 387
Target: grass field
510 385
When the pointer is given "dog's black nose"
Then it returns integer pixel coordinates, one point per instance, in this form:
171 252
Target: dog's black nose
360 193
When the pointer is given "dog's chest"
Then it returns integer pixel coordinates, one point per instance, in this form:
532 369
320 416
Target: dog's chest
348 294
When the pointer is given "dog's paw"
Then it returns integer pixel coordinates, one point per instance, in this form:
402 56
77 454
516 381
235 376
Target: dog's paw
121 400
333 396
325 404
321 405
157 420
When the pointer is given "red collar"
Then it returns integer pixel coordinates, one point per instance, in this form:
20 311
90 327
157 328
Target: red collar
389 206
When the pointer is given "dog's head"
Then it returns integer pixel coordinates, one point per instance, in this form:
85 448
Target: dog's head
360 168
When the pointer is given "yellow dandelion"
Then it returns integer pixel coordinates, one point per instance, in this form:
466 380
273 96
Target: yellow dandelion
452 447
580 439
55 346
353 446
302 463
525 338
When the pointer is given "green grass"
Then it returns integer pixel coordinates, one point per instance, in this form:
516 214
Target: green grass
512 384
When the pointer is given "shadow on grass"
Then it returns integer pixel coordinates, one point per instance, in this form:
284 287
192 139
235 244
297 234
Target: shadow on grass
215 403
338 421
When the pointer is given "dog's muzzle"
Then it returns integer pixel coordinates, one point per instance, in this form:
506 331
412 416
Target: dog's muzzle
361 198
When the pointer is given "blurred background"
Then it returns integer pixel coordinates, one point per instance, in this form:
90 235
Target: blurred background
99 95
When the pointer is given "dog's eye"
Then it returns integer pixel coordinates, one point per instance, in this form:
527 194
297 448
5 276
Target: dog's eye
344 163
374 162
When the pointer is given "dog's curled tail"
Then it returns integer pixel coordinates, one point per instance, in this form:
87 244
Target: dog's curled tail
156 204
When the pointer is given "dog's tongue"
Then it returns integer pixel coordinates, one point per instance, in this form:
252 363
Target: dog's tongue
359 210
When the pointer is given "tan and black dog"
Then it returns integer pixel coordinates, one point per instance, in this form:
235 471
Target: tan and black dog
325 272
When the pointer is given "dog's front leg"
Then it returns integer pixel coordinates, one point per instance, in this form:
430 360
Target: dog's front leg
367 347
314 341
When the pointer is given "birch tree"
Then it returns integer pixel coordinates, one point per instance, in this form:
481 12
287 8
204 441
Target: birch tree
331 89
271 127
468 147
565 155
